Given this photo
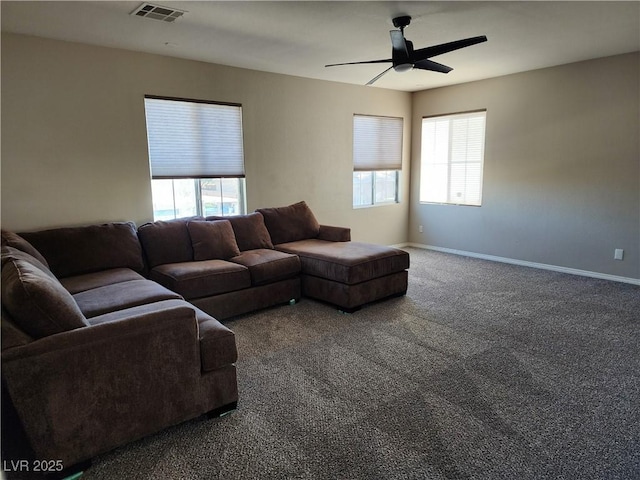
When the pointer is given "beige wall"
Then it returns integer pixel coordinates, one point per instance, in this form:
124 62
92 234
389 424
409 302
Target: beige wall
74 145
562 168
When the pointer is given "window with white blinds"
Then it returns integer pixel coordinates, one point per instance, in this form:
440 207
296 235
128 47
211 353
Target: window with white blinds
452 158
377 143
377 159
196 158
194 139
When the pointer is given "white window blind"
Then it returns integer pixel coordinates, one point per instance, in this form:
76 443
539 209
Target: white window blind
377 143
189 139
452 159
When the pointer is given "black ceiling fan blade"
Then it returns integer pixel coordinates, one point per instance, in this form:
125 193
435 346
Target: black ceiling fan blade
370 82
359 63
399 44
435 50
431 65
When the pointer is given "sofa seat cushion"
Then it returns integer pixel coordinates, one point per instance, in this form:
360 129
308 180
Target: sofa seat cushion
36 301
217 342
120 296
88 281
347 262
202 279
266 266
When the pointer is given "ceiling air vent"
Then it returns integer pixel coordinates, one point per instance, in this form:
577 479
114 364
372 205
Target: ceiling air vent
157 12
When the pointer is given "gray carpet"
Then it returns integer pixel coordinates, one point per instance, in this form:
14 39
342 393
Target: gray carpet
483 371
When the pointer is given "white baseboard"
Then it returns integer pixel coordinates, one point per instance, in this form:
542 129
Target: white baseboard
513 261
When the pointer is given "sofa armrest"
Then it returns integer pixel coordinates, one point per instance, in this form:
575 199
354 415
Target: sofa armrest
88 390
334 234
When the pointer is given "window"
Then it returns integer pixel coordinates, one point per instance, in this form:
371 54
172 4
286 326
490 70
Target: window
377 159
452 159
196 156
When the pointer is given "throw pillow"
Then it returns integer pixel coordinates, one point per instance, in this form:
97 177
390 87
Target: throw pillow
250 231
289 224
14 240
11 253
213 240
37 303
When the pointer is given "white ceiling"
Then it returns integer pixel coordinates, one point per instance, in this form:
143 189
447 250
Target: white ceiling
300 37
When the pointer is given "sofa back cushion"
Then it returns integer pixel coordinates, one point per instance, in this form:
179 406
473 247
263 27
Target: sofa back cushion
250 231
11 239
77 250
35 300
212 240
167 241
291 223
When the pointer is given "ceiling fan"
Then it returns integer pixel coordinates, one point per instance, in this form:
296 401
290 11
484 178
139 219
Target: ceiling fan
405 58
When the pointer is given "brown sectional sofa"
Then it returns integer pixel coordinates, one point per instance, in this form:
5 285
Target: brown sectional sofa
110 333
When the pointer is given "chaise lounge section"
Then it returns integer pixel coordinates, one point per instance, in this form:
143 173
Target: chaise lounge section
333 268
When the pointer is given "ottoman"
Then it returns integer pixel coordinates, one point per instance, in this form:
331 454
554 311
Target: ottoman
349 274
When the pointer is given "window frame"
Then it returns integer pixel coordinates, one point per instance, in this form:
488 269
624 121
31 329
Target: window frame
449 162
198 198
382 163
197 179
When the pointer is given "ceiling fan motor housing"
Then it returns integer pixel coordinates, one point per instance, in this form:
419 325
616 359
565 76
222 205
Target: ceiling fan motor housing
401 61
403 67
401 22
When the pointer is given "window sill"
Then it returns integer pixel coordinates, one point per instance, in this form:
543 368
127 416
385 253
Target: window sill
385 204
451 204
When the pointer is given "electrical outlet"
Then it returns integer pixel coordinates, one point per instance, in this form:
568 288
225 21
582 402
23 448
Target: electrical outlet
420 229
618 254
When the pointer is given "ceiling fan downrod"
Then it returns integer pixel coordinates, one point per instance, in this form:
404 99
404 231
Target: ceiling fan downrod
404 64
401 22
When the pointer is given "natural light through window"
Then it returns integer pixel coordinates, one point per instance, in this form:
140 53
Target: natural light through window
452 159
377 159
186 197
196 157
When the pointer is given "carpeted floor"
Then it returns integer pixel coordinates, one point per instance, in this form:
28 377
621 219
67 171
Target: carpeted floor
483 371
